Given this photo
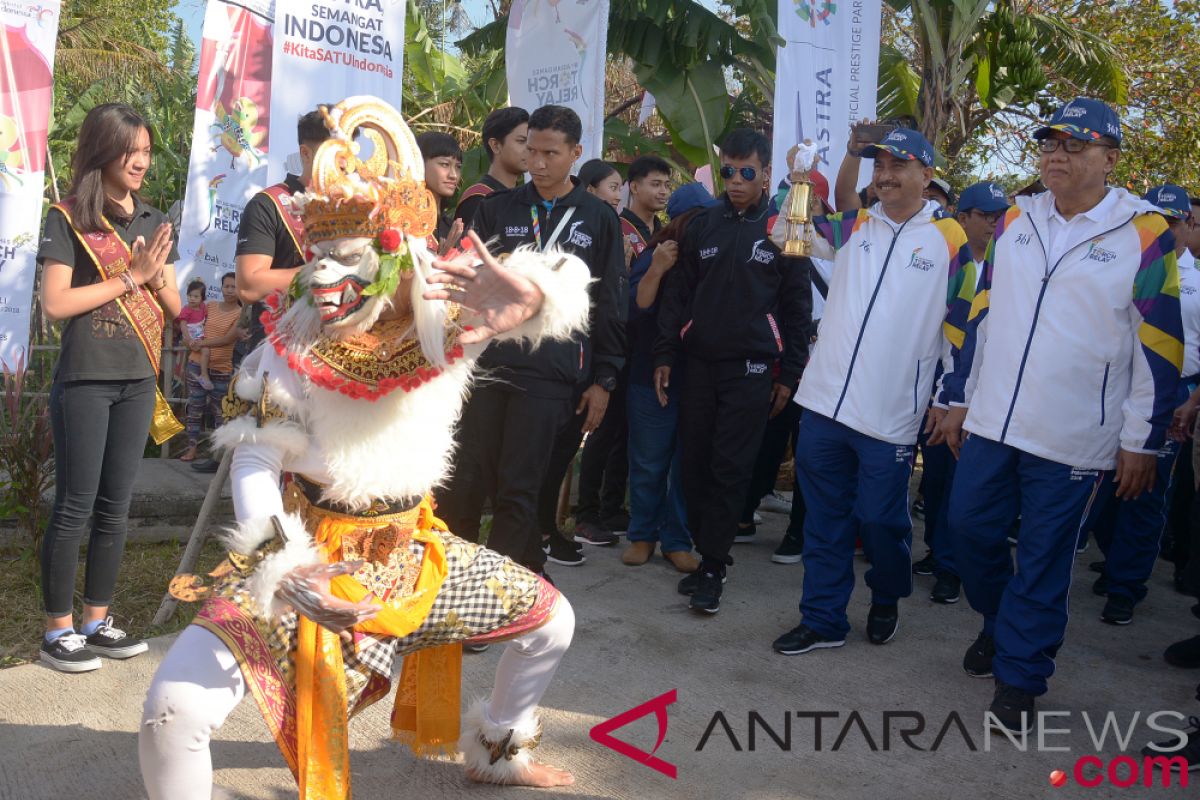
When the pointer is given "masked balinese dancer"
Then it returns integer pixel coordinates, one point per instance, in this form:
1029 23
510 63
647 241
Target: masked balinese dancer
349 404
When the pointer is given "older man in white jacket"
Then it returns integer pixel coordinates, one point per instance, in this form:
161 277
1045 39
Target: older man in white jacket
1070 368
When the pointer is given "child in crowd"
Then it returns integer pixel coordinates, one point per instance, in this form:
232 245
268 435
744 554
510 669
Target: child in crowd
191 324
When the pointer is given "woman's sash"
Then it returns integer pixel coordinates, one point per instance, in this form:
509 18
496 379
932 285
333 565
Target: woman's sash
112 257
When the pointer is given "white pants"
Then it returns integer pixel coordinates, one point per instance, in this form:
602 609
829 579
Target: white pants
199 683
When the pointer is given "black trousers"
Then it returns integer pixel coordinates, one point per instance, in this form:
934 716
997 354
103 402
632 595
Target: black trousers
100 430
779 432
722 415
505 440
562 455
604 466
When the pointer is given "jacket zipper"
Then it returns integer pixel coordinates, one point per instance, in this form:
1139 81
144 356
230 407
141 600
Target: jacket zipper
916 384
1038 308
1104 391
866 317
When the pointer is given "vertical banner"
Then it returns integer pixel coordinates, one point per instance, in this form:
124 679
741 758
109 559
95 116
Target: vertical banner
230 141
326 52
555 53
320 52
26 94
827 77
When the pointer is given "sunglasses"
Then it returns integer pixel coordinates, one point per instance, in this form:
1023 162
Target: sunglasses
748 173
1070 145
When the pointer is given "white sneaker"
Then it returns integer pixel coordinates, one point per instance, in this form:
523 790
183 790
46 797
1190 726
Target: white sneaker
775 503
758 520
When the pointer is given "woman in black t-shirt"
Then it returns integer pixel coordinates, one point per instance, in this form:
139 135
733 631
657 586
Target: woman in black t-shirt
104 388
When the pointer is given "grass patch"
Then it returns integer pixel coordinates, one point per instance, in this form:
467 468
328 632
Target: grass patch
146 570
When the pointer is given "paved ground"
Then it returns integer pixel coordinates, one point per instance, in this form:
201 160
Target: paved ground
67 736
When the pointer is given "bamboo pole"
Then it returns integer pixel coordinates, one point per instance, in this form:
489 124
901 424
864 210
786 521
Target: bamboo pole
199 535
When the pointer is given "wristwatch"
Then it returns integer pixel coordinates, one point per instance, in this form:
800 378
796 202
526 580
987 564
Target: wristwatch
608 383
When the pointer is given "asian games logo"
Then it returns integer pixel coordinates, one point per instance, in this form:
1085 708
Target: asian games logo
812 11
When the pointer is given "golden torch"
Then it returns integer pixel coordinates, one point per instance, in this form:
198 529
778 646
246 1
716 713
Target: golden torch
797 217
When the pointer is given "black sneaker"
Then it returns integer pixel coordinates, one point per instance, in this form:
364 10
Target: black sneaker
591 533
687 586
978 659
790 551
802 639
1082 547
617 523
1118 610
1100 587
882 623
1185 654
559 551
475 648
925 566
1098 566
946 589
1186 747
745 534
707 597
1012 710
69 653
114 643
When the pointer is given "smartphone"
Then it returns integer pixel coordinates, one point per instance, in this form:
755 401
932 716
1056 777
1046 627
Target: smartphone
872 134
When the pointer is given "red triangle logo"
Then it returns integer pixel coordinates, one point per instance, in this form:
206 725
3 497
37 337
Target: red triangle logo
602 733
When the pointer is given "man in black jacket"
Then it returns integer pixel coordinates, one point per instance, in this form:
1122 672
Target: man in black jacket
718 322
509 424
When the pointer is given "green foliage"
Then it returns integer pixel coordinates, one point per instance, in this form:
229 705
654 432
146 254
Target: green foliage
132 51
954 64
1157 46
26 450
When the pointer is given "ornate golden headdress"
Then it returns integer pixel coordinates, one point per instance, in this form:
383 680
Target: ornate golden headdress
349 197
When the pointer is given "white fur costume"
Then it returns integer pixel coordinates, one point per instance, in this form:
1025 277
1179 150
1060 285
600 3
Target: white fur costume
361 452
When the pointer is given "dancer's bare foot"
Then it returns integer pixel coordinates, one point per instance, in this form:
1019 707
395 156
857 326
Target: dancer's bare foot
537 774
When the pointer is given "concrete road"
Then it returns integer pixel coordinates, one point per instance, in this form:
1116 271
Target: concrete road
65 736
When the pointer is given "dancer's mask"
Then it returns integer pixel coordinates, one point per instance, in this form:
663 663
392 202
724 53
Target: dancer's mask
363 215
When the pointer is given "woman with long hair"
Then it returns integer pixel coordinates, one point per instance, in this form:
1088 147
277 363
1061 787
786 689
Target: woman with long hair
108 275
602 179
657 515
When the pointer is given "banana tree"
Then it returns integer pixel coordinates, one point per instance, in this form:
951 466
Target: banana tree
681 52
957 63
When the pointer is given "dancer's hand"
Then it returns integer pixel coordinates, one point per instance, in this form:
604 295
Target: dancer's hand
306 589
502 298
662 381
780 394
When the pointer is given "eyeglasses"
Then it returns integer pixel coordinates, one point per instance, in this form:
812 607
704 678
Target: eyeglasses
1071 145
748 173
991 217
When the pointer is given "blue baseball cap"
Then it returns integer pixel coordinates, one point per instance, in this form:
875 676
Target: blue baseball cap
903 143
986 196
1172 200
1083 118
687 197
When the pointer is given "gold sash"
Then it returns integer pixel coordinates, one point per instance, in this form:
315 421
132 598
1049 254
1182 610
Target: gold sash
425 714
112 257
